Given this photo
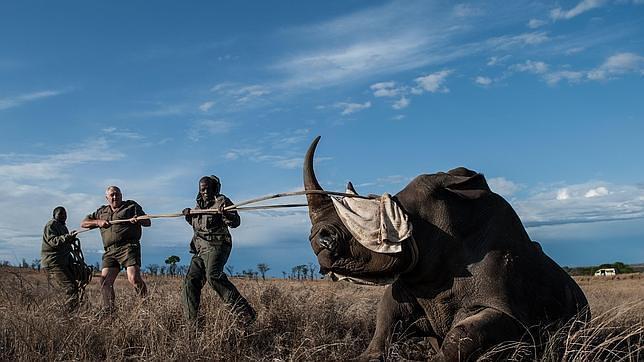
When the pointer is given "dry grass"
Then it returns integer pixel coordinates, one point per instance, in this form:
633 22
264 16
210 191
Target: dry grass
313 320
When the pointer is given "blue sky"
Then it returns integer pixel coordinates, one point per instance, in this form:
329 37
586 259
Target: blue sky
545 98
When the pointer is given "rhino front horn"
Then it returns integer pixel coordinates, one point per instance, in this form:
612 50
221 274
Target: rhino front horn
319 204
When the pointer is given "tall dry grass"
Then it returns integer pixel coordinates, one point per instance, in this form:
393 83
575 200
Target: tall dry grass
300 321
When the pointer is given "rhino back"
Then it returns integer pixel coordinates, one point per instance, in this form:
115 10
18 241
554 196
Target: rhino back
486 260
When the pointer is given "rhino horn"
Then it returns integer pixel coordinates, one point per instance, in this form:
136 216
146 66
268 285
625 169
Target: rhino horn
319 204
351 189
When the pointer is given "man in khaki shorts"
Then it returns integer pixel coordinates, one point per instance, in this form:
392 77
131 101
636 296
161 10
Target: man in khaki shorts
121 242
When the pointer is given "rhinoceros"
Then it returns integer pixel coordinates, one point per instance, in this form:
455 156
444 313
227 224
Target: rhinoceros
468 276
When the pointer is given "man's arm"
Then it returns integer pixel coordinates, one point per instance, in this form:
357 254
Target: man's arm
138 211
91 221
231 218
56 238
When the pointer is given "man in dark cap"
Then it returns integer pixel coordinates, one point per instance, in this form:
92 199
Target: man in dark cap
121 242
211 246
57 260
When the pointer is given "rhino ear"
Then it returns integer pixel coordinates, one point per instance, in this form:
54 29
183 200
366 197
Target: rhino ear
350 189
472 187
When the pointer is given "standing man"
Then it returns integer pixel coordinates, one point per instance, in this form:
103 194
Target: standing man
121 242
211 245
55 253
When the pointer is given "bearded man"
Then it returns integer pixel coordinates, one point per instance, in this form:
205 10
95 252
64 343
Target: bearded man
121 242
211 246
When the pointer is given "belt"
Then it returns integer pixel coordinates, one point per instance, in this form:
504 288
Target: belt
114 246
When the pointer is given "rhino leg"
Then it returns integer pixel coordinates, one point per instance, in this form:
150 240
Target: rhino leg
397 309
475 334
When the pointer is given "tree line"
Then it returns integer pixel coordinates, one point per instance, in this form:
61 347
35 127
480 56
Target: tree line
619 267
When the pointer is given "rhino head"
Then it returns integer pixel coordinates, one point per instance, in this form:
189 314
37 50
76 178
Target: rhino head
339 254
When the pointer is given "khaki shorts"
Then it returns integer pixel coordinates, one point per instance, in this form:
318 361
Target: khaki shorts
122 256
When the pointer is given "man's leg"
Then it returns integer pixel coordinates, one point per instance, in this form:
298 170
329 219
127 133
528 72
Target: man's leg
130 257
135 278
192 285
66 287
108 276
215 261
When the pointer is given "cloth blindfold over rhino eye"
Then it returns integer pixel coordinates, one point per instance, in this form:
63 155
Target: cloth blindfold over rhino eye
380 225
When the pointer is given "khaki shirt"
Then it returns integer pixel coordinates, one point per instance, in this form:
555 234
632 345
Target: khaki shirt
54 250
122 233
211 230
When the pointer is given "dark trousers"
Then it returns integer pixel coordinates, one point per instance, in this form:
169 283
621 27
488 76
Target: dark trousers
65 285
209 266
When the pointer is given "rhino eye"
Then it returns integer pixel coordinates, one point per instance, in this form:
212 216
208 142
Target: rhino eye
327 239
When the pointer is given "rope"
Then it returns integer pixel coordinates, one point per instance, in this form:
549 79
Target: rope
237 207
81 271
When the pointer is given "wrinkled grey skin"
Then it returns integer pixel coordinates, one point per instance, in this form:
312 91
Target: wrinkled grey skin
478 279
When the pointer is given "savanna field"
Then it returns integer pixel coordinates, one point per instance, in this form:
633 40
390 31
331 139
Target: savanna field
296 321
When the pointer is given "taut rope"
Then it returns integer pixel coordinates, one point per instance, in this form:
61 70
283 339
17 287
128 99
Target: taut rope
238 207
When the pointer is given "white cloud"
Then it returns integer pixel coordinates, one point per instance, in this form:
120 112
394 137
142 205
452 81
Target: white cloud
349 108
596 192
563 194
398 117
536 23
484 81
248 93
557 76
124 133
467 10
50 167
235 96
11 102
581 203
618 64
354 61
434 82
208 127
530 66
401 103
580 8
511 41
162 110
503 186
385 89
492 61
204 107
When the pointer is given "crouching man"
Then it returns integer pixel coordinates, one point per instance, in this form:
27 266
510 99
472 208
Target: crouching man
55 253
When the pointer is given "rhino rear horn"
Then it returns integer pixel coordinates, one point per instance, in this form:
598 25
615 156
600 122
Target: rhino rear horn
350 189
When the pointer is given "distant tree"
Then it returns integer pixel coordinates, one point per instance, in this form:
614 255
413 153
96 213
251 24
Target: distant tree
24 263
263 268
97 266
162 270
172 261
312 270
5 263
299 272
250 273
153 269
285 274
230 269
182 269
35 264
619 267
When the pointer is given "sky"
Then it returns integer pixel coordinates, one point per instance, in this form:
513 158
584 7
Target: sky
546 99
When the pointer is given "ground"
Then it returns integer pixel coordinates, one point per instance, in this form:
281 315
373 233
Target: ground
297 320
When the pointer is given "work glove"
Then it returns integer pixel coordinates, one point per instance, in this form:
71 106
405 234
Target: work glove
185 211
